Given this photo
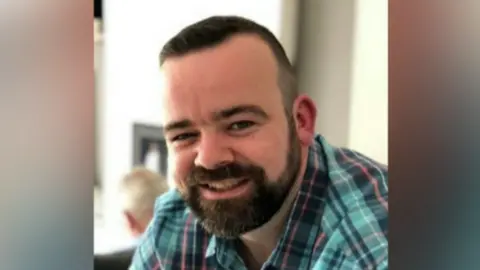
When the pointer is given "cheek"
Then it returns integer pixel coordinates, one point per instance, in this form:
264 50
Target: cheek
179 166
270 153
276 164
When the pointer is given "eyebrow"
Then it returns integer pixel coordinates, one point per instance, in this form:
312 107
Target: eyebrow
178 125
240 109
220 115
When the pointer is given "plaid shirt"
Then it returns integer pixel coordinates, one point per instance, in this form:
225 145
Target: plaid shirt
339 220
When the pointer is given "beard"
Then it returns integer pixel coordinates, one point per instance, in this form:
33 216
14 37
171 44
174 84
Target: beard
230 218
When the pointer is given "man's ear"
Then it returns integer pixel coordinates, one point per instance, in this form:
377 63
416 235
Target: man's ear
304 115
131 221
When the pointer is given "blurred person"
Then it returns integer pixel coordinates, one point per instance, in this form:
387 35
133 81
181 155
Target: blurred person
255 187
138 189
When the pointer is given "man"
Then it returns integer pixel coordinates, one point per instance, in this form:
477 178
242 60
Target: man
255 188
139 189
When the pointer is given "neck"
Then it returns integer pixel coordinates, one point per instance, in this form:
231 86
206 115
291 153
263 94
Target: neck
257 245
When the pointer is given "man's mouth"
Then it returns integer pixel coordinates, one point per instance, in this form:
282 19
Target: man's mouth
224 185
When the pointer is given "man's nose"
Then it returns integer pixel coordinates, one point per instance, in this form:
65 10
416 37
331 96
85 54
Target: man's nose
213 152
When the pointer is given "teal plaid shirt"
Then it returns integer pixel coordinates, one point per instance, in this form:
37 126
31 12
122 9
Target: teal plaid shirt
339 220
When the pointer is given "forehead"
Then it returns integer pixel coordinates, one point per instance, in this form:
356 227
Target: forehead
241 70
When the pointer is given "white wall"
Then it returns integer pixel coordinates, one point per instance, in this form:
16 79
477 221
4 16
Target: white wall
325 62
369 89
135 30
342 64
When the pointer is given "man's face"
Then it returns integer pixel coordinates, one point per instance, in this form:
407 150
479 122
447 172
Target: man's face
233 152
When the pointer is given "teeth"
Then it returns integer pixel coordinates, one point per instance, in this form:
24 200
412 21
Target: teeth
224 184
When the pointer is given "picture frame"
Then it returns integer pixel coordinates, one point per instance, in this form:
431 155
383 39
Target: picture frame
149 148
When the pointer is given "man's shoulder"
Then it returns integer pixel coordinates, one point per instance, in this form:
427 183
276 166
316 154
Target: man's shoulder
170 215
356 210
162 237
170 205
358 241
353 178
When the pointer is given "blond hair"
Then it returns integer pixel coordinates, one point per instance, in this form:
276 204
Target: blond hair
139 189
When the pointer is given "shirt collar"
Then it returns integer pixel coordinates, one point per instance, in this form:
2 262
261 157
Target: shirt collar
221 249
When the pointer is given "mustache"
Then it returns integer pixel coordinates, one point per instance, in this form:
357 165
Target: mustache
200 175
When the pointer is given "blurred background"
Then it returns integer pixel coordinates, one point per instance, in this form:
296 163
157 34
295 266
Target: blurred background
339 49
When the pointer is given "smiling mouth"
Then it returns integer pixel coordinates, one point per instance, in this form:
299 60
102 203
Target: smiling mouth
224 185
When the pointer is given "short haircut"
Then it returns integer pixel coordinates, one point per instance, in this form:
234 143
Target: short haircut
215 30
139 189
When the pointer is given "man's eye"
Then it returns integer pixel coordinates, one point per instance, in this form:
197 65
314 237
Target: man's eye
240 125
183 137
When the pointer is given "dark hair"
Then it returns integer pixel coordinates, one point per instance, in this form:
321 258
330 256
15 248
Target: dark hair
215 30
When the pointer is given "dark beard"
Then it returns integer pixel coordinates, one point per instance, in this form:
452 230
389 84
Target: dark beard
232 217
